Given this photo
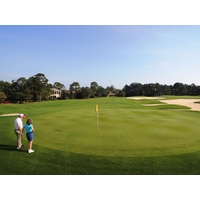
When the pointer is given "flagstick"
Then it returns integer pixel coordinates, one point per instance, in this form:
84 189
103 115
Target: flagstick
97 121
97 111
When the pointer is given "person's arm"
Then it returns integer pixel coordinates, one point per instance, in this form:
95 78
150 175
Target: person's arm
20 128
23 129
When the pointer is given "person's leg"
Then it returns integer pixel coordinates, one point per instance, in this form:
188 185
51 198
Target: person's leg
19 139
30 145
30 150
30 138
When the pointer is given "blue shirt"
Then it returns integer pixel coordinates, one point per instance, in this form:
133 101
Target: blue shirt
28 128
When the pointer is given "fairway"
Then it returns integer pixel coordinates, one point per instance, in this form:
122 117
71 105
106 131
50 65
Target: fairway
128 131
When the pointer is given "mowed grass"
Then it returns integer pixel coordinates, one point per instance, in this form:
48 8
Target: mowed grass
132 139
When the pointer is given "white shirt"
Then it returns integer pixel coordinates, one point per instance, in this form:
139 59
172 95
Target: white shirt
18 123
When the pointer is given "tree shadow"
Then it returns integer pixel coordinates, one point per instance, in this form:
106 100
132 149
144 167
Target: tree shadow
9 147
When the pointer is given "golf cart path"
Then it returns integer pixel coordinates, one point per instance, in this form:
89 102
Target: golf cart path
11 114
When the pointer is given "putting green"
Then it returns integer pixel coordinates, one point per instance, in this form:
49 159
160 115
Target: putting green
126 129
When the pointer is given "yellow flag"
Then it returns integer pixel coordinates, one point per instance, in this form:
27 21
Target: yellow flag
96 108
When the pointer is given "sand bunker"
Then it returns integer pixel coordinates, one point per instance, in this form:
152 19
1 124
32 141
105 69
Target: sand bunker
183 102
138 98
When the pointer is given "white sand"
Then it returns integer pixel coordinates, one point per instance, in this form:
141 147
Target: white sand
183 102
138 98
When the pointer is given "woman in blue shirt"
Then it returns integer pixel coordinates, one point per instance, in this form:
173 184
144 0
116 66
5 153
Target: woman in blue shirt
29 134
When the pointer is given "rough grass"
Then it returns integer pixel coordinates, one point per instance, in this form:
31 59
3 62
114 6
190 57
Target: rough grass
132 139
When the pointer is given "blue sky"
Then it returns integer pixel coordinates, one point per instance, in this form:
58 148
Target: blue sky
110 54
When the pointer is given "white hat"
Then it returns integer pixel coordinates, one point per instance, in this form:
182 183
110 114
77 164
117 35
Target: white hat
22 115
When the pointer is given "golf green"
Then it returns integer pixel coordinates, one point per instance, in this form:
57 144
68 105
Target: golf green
124 129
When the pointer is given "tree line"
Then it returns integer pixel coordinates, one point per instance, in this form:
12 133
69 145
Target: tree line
156 89
38 88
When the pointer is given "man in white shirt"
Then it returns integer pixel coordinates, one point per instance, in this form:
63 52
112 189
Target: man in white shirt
18 125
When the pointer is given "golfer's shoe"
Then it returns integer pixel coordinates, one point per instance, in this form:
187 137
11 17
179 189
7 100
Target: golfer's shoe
30 151
20 146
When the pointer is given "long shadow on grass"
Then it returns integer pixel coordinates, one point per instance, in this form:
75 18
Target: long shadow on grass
8 147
